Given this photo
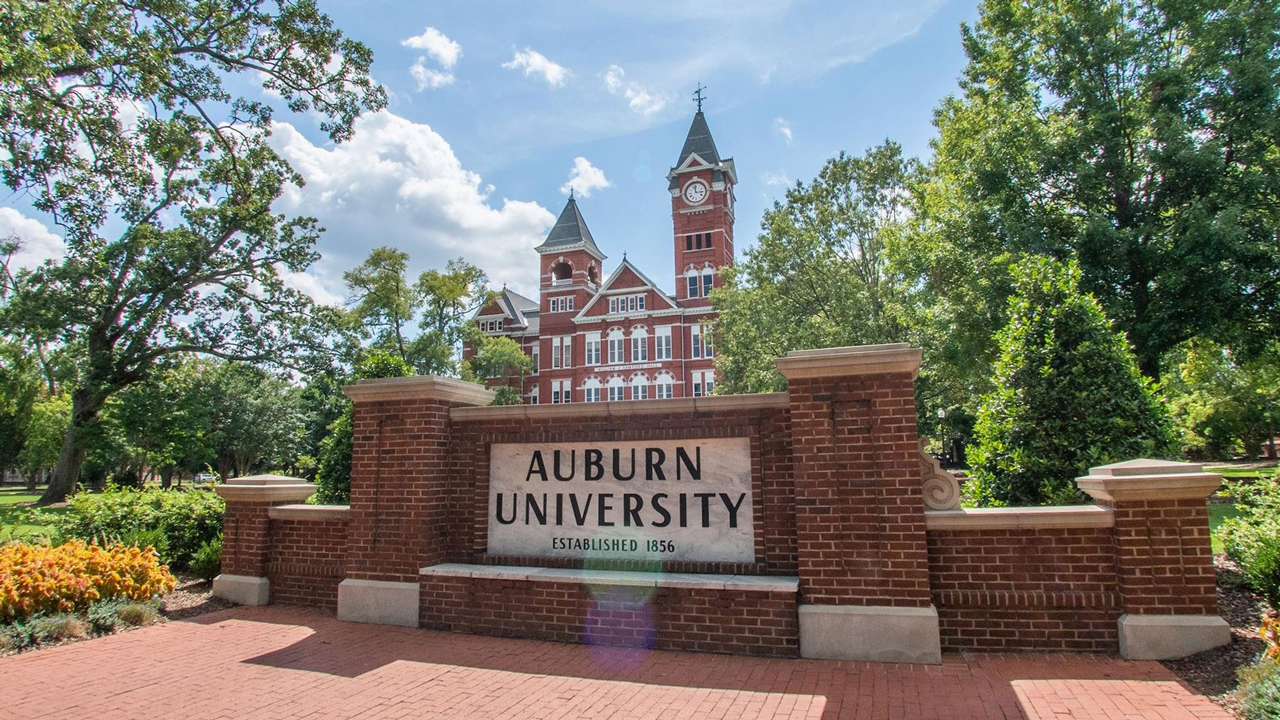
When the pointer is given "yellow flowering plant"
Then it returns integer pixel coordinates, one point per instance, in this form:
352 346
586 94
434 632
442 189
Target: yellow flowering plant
69 577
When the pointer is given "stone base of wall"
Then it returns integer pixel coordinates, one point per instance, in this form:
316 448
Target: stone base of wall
611 611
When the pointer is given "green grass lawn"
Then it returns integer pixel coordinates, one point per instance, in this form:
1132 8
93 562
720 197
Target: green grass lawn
1217 513
12 512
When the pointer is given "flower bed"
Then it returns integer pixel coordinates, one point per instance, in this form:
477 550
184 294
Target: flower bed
45 579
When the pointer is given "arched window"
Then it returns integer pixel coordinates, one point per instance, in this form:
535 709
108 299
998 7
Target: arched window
593 274
616 387
561 273
639 344
639 386
693 283
591 389
708 279
664 386
616 344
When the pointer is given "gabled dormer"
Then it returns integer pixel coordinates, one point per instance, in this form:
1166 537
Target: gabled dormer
628 291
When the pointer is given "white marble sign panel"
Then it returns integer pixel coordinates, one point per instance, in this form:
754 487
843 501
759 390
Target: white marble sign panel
658 500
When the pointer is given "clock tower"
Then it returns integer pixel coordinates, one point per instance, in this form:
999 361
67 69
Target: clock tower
701 185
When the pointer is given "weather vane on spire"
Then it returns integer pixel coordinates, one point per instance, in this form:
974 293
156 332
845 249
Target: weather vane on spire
698 96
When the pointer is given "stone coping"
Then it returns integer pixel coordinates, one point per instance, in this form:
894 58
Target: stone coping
1145 479
308 512
265 480
1069 516
419 387
854 360
747 583
266 493
624 408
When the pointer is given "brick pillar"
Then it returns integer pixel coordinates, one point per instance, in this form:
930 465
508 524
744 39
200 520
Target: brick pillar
1163 556
246 541
399 486
860 531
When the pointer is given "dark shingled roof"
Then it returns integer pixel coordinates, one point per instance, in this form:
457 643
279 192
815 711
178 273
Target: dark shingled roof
570 229
699 141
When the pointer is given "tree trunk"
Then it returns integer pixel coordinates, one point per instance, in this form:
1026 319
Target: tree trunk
166 478
84 408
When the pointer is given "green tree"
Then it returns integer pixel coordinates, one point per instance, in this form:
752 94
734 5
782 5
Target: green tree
499 359
819 275
45 430
448 298
1068 395
1137 137
20 389
334 472
117 119
254 419
1224 404
383 300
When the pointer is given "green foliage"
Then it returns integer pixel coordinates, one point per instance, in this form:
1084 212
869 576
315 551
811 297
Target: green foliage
497 358
386 303
1252 538
820 274
55 628
137 614
171 243
206 563
1224 404
186 519
1137 137
507 395
102 616
1068 396
46 430
334 472
143 538
1259 690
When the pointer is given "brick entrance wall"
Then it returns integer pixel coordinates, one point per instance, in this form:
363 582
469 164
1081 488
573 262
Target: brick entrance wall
849 561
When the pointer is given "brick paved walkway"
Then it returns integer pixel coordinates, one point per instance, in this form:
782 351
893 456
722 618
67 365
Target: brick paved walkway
279 662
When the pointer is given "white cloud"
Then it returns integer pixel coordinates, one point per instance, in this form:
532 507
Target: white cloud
775 179
640 98
313 282
585 178
783 127
399 183
429 77
38 242
445 51
533 62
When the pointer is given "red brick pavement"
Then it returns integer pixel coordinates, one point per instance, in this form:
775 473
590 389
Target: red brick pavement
282 662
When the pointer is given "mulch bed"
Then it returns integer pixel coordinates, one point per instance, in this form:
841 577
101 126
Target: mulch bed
1213 672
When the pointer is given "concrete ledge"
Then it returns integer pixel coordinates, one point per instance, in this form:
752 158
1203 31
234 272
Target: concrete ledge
692 581
420 387
379 602
1168 637
623 408
242 589
855 360
1149 480
265 493
1031 518
872 633
309 512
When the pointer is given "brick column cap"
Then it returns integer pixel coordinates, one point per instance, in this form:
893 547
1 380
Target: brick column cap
1145 479
419 387
238 490
853 360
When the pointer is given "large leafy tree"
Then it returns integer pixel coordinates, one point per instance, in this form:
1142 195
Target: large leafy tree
1067 396
119 121
819 276
385 303
1138 137
1225 403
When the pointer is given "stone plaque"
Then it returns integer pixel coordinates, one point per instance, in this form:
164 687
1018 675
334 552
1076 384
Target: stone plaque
655 500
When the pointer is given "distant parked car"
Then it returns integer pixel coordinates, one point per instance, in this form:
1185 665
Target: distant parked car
206 477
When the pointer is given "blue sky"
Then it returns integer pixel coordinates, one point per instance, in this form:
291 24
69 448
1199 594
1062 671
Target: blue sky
495 105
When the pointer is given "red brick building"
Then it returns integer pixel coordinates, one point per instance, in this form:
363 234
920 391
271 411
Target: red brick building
595 339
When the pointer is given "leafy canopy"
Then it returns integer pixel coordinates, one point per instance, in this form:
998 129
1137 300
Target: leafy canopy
1138 137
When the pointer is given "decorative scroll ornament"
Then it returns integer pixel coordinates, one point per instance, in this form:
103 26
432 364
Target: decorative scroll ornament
941 488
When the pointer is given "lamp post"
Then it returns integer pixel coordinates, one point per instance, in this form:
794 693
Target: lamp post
942 429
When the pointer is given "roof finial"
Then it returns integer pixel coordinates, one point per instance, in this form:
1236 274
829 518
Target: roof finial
698 96
570 193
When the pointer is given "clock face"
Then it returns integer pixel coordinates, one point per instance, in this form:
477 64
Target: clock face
695 192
